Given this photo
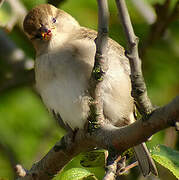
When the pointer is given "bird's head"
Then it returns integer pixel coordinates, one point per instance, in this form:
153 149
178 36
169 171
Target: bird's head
45 21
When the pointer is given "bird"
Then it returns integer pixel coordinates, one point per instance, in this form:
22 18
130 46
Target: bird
65 53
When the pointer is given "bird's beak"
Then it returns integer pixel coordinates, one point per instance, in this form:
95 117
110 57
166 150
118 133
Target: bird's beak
46 33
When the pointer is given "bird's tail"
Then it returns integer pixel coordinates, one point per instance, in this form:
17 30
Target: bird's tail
145 161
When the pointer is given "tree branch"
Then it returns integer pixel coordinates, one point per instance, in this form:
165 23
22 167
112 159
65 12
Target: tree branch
139 90
117 165
18 11
158 120
159 27
13 55
145 10
20 68
100 67
105 137
1 2
9 154
20 171
127 168
59 156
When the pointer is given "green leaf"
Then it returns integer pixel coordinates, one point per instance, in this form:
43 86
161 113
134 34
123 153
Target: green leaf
93 159
167 157
98 171
90 177
129 153
77 174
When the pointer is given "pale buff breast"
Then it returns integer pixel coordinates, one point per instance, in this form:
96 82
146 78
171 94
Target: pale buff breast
62 78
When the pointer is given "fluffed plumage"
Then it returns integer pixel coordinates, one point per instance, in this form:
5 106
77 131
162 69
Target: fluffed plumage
64 60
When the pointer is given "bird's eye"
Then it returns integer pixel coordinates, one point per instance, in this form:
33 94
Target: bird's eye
54 20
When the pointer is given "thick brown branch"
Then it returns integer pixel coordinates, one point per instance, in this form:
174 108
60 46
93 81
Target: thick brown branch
59 156
105 137
141 130
139 90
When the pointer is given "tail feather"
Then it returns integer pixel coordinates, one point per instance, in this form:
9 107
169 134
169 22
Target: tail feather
146 163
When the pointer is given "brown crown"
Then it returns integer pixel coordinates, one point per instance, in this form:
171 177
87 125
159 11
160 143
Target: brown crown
36 17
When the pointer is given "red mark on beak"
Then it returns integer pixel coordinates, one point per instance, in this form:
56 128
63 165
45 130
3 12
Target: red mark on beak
47 35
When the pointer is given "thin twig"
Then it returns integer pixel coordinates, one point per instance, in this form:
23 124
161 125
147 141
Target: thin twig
20 66
139 90
100 67
145 10
20 171
111 171
9 153
163 21
127 168
1 2
18 14
10 53
113 166
117 165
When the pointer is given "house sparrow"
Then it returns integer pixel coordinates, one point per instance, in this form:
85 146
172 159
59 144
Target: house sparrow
65 54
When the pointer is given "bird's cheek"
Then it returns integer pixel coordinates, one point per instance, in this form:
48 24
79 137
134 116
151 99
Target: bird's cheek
54 31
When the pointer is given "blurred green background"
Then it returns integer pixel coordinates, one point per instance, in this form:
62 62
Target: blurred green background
27 131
